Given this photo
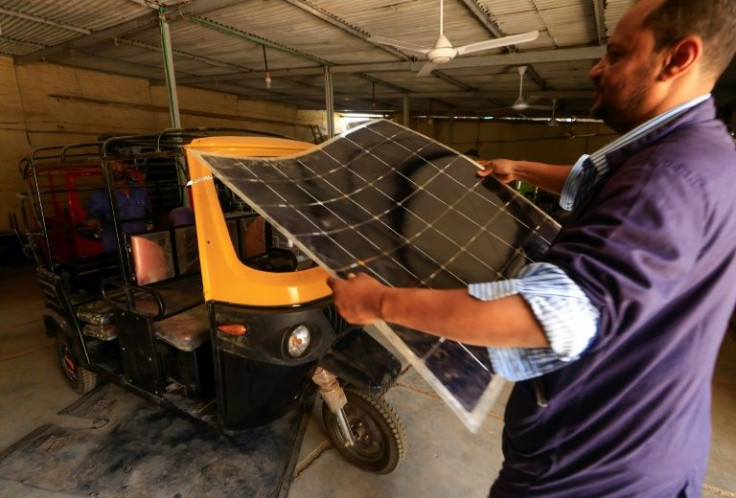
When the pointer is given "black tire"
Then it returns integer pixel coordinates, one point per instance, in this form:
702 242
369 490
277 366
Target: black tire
77 377
380 439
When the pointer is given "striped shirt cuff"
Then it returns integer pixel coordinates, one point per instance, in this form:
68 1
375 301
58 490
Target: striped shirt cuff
565 313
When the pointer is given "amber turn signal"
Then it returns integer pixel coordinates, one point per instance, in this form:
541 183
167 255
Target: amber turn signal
232 329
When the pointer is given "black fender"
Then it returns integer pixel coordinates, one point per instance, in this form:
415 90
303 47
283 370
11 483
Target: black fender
361 361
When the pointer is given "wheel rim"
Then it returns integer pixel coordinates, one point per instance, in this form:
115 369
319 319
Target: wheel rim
68 365
369 441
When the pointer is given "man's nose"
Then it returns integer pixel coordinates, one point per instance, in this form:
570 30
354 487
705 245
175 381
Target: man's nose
596 70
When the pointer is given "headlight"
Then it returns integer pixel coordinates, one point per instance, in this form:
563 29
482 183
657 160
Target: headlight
298 341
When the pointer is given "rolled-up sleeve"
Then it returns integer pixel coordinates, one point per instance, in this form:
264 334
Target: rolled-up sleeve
567 316
572 184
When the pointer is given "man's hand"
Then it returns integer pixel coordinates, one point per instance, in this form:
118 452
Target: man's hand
358 298
504 170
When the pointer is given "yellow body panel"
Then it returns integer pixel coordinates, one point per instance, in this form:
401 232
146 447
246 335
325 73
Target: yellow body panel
224 276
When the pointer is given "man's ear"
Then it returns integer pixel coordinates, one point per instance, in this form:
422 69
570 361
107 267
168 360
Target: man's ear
682 57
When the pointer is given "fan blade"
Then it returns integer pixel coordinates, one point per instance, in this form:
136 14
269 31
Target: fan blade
399 44
498 42
426 69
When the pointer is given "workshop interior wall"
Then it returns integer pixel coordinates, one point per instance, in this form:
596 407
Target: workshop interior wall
44 104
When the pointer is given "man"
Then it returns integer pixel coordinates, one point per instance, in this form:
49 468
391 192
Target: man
134 208
617 330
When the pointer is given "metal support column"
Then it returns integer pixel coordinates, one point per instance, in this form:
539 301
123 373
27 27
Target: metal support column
173 98
329 103
169 69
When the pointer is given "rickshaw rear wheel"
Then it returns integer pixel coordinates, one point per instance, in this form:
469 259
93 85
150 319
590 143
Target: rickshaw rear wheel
380 439
77 377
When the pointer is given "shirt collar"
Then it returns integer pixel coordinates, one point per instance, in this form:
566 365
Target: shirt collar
604 158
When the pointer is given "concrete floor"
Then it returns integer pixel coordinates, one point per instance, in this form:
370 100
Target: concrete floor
443 458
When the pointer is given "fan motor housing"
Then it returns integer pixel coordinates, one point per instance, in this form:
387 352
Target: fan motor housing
441 55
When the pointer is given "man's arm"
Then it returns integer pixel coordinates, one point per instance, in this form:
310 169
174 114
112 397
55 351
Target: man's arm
454 314
549 177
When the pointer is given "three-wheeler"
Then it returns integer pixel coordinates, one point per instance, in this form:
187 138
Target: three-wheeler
194 302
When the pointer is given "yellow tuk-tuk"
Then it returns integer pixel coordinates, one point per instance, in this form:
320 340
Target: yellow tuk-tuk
201 307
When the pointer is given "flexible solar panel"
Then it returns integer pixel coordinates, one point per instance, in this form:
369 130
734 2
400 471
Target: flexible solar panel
385 200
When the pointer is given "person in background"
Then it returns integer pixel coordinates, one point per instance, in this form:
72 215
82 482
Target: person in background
134 208
612 337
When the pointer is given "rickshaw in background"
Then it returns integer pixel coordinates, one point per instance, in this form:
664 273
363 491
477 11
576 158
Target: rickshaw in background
218 317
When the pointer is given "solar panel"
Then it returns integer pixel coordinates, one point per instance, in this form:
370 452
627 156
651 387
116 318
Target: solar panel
409 211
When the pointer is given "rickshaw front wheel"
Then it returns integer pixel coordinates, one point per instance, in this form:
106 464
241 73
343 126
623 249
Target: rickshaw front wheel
380 439
77 377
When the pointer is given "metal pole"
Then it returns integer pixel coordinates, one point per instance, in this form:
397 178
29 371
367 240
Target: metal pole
173 97
329 103
169 69
407 119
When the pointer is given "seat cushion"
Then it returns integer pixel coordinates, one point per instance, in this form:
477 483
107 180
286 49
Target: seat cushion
185 331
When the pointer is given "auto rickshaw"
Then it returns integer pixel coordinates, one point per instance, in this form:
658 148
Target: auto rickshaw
216 316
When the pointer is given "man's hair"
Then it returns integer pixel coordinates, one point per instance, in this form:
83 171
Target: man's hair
714 21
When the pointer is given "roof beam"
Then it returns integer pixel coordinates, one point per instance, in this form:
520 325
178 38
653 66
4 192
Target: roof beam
179 53
501 95
21 42
482 16
541 56
148 20
599 11
487 95
113 61
453 81
47 22
378 81
236 33
514 59
537 57
236 81
339 23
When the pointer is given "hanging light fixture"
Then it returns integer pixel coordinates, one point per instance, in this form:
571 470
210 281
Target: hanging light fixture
268 73
373 101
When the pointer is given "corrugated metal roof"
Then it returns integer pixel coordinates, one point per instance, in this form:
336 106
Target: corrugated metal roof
218 44
79 13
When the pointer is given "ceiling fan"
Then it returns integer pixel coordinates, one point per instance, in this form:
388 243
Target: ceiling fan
521 104
443 51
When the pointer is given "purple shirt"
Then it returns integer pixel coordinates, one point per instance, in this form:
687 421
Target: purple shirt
653 246
133 212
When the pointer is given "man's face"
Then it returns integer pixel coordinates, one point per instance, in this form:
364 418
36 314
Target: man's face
625 77
118 170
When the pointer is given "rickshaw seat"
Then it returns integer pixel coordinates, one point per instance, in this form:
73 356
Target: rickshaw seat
166 264
176 295
186 331
164 254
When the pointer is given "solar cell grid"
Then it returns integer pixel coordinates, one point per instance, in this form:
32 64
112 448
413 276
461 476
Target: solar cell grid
409 211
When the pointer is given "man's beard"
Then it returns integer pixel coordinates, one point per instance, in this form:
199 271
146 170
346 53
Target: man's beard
623 115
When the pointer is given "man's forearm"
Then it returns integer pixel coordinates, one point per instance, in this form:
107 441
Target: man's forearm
454 314
549 177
